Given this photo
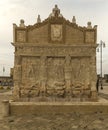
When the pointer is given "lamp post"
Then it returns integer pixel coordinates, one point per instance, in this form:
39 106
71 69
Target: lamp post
101 45
3 70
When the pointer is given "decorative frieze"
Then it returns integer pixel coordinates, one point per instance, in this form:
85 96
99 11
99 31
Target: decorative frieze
20 36
56 50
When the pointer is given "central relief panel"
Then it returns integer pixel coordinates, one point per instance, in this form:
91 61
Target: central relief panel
56 32
54 76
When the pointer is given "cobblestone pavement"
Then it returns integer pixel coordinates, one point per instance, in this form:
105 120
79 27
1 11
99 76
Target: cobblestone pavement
104 92
69 121
102 95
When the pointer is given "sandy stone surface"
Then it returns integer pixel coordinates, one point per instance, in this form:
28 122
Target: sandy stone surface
70 121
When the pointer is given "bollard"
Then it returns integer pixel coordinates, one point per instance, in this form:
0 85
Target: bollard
5 108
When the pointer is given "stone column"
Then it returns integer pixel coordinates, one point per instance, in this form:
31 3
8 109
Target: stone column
93 78
17 82
68 76
43 75
5 108
14 26
68 84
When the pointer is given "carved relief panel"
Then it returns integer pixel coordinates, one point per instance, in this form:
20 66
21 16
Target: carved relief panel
81 70
56 32
30 69
90 37
21 36
55 71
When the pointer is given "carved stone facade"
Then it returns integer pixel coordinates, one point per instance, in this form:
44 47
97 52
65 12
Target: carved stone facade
54 60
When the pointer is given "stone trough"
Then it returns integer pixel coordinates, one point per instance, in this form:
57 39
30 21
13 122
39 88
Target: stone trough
42 108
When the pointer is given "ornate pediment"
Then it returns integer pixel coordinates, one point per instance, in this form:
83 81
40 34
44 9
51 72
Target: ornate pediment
55 29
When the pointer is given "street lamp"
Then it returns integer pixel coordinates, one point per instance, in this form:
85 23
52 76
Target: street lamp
101 45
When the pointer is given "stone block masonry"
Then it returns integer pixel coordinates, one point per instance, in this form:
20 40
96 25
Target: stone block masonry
45 108
54 58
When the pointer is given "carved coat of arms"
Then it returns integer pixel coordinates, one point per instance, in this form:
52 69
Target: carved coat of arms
56 32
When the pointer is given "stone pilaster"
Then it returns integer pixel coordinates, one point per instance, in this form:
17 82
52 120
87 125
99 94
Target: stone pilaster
43 74
93 78
14 26
17 81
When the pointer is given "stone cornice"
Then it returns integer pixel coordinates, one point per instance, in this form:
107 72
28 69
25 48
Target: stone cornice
53 45
53 21
59 21
37 25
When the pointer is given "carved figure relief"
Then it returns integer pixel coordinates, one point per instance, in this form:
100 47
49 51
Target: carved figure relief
56 79
30 69
68 61
55 76
31 72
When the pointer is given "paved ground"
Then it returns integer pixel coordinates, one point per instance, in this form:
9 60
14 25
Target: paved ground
70 121
104 92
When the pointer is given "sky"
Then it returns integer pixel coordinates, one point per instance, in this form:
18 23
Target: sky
11 11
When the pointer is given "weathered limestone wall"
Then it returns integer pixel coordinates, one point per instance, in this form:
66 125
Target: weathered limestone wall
56 73
29 108
38 34
74 35
54 59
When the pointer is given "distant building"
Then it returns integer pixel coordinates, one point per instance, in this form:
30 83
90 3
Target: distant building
6 81
106 77
11 72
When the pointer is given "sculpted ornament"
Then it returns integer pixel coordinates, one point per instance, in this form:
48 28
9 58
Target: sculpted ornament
56 32
31 71
68 61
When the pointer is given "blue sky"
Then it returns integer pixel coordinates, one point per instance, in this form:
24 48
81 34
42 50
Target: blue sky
11 11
